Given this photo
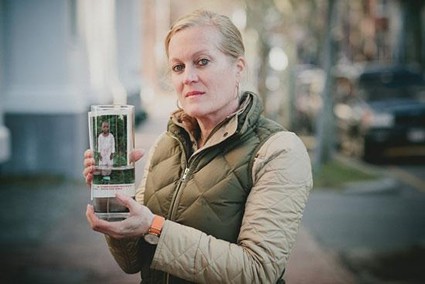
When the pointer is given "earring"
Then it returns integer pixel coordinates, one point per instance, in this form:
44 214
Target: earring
178 104
237 90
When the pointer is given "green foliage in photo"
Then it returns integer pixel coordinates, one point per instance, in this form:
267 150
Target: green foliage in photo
126 176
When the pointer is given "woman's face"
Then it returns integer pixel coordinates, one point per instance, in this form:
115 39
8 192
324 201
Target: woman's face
205 78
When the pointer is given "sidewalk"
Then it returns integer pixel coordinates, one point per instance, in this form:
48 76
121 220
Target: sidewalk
45 237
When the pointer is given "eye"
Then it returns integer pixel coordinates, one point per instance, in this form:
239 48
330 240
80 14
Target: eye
178 68
203 62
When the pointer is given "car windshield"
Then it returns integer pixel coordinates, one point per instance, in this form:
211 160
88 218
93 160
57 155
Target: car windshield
378 93
391 85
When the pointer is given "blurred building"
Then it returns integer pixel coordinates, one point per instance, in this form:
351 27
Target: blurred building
57 57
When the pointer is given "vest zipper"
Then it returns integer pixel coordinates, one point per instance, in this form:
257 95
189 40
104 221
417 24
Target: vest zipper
176 197
191 163
175 200
183 178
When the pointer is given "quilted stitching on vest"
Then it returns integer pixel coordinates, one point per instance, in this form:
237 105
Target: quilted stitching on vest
213 196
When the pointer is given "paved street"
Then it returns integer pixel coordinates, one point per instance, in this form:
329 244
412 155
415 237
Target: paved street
48 241
45 237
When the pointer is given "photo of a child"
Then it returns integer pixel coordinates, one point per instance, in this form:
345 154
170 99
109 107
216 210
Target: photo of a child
111 142
106 150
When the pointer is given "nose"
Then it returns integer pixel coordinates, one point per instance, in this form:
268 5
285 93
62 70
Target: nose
190 76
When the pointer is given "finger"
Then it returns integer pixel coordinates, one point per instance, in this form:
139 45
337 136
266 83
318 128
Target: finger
96 224
137 155
88 162
113 229
137 224
89 180
88 175
88 170
88 153
91 217
127 201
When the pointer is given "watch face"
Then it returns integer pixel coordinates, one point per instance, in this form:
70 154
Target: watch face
152 239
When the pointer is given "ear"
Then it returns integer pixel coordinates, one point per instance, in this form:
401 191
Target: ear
240 66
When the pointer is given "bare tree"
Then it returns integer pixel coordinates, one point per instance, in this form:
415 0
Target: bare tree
410 45
325 122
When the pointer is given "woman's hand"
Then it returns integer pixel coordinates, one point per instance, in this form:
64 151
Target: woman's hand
89 163
136 225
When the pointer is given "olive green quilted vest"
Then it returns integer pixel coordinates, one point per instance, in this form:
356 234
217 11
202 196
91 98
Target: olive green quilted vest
207 190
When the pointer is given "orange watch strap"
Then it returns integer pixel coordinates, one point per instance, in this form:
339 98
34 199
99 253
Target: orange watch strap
157 224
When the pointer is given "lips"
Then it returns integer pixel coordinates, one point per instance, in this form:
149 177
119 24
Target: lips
193 94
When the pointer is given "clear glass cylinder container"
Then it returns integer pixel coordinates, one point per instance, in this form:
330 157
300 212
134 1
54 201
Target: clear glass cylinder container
111 135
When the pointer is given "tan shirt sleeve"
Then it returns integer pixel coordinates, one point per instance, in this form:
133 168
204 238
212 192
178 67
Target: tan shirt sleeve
282 181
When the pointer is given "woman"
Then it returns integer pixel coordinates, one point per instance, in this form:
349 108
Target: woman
224 188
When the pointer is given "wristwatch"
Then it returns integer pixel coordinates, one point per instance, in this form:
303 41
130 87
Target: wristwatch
152 237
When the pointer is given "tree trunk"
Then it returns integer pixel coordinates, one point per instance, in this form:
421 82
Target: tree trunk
325 122
410 44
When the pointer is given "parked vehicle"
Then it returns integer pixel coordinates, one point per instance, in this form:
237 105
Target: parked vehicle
383 116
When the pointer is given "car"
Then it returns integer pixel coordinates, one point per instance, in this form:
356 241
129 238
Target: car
383 116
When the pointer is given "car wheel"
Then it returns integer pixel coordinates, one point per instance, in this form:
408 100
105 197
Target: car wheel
371 152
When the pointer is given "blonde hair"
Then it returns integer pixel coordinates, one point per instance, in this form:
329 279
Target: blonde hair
231 43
